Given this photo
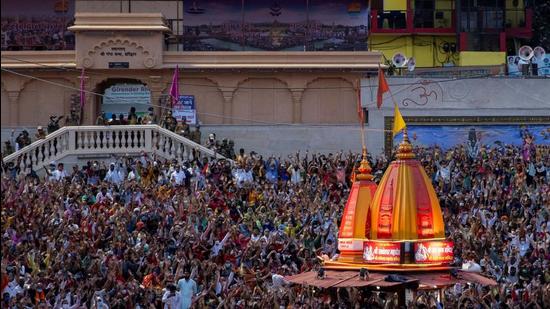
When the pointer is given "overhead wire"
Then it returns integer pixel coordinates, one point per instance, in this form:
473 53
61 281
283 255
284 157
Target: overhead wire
200 113
258 88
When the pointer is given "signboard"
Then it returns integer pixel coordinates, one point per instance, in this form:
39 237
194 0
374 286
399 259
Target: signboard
382 252
350 244
430 252
185 107
119 65
120 98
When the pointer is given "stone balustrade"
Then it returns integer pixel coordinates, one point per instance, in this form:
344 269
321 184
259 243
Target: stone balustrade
107 140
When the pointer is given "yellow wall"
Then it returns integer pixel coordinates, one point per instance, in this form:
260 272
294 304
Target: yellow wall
395 5
420 47
471 58
510 5
445 6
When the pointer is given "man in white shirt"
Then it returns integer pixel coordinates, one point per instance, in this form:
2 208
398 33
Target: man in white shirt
131 175
218 245
188 290
13 288
56 175
178 176
103 196
243 176
171 299
113 175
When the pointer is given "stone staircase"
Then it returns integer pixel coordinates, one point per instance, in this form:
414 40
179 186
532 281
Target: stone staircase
79 144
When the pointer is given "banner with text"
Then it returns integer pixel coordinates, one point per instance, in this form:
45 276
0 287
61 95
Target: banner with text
185 107
120 98
382 252
433 252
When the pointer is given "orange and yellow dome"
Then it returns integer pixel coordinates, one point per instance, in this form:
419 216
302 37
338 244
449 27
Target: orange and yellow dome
395 226
405 206
354 227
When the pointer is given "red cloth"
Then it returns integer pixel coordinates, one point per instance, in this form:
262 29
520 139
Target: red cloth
382 87
5 281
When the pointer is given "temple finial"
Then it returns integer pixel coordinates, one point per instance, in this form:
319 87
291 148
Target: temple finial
364 168
405 148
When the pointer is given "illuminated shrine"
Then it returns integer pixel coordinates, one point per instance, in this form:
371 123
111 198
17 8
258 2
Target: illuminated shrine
397 226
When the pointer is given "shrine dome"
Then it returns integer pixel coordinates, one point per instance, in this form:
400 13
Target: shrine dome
405 206
354 227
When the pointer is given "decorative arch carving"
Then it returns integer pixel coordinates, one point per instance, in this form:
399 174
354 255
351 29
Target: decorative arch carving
121 41
261 78
262 104
147 59
6 106
316 79
166 84
63 78
35 110
319 105
209 101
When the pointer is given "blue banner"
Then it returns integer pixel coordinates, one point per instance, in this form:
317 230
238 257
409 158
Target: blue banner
448 136
185 108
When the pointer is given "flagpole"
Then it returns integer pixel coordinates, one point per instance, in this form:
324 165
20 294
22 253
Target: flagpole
362 124
395 104
405 133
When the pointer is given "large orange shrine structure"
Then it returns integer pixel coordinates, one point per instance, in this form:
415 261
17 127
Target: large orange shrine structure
395 226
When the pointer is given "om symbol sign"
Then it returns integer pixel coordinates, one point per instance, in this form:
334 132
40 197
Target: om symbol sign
421 95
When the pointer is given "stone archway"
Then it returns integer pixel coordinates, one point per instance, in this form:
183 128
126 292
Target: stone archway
125 103
330 100
208 98
37 103
262 100
5 111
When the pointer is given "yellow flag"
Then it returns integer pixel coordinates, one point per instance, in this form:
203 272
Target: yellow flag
398 122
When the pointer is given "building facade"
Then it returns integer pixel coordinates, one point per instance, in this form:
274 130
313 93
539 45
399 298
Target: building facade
273 77
446 33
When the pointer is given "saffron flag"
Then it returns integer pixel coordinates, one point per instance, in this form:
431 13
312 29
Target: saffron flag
398 121
360 112
174 88
382 87
82 94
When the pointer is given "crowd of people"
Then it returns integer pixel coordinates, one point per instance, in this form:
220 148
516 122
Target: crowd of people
150 233
169 122
46 33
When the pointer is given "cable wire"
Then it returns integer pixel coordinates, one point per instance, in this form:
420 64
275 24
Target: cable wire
258 88
203 113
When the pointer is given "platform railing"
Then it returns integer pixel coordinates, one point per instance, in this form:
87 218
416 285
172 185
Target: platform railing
107 140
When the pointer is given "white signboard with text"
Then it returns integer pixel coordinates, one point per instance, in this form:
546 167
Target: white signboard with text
185 107
120 98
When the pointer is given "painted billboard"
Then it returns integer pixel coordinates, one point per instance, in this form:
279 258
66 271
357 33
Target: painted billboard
37 25
449 136
284 25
